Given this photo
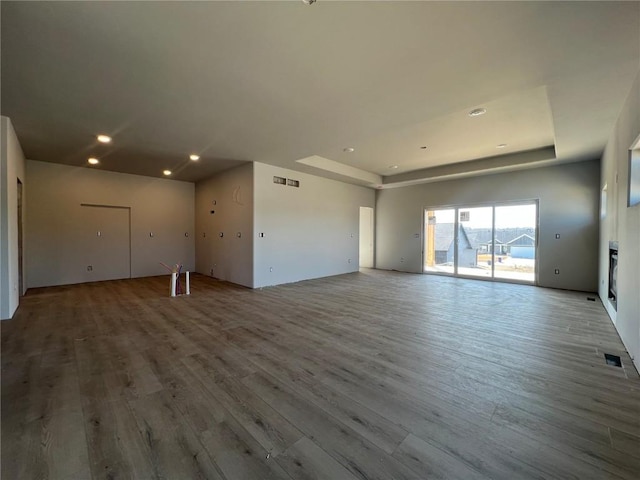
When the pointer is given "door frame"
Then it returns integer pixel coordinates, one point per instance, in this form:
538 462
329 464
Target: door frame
117 207
371 234
493 205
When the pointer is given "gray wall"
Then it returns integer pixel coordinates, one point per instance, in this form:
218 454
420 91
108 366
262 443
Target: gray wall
622 224
12 169
230 195
568 198
58 228
309 232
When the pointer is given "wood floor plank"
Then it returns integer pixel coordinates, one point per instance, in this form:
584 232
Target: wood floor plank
304 460
624 442
116 445
372 375
273 432
432 462
601 457
360 457
375 428
173 448
239 455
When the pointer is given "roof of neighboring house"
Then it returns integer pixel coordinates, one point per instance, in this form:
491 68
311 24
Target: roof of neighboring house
444 236
480 236
523 240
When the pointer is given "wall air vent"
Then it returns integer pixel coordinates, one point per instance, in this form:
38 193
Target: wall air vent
613 360
280 180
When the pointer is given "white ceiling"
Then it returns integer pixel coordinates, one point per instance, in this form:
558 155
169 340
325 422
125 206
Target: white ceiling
276 82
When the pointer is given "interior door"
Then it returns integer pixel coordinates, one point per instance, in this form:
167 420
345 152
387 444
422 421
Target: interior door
106 245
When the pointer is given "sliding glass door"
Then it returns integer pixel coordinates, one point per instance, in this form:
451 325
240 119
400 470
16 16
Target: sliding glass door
492 241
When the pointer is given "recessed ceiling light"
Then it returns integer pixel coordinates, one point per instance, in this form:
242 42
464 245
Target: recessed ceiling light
104 138
502 145
194 157
93 161
393 167
477 112
167 172
349 149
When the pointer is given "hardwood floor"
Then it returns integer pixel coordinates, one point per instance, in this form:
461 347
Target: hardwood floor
374 375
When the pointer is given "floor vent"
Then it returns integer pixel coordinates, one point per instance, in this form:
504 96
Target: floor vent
591 299
613 360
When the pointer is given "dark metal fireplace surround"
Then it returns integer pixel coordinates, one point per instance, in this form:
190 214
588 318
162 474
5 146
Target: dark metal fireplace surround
613 274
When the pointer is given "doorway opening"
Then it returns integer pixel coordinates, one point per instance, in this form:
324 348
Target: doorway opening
366 237
20 254
496 242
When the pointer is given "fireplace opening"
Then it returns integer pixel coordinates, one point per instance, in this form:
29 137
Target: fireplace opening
613 274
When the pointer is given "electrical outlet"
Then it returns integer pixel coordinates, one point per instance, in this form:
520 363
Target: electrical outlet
271 269
89 268
557 235
557 271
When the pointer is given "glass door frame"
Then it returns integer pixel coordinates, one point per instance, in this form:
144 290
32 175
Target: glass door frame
493 205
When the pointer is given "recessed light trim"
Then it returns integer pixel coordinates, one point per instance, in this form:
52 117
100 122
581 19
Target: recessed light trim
104 138
93 161
194 157
349 149
501 145
166 172
476 112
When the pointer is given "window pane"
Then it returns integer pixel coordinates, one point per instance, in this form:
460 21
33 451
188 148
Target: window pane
515 240
439 246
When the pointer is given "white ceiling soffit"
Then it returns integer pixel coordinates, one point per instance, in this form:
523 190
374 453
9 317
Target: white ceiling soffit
274 82
340 171
497 164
